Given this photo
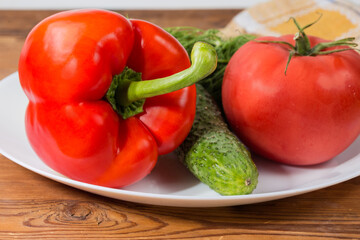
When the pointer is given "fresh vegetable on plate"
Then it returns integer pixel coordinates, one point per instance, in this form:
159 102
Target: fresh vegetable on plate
225 48
211 151
294 99
214 154
66 68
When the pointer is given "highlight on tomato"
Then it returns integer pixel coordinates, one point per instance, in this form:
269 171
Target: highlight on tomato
294 99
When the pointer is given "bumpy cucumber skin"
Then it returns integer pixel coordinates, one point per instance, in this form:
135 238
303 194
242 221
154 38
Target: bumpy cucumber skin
214 154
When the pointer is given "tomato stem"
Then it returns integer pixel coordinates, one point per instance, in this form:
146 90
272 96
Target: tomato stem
302 43
303 47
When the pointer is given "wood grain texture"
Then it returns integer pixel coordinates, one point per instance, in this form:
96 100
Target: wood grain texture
34 207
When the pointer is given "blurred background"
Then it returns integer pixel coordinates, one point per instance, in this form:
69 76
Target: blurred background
127 4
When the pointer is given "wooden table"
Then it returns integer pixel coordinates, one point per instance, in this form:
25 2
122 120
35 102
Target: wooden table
34 207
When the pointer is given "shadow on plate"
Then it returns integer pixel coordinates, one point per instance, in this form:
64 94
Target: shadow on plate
168 176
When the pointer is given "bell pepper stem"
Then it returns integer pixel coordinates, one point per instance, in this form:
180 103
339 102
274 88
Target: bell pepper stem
204 62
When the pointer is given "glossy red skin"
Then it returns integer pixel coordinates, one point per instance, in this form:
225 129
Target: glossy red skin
306 117
169 117
66 67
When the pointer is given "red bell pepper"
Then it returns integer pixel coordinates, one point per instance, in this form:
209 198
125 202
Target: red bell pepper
66 67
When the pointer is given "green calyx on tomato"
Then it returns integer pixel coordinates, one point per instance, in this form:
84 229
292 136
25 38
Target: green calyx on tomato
127 93
303 47
306 117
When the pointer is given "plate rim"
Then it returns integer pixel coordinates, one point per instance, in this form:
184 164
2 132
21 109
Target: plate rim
169 199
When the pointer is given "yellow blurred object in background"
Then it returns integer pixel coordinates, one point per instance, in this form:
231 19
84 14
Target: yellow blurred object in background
340 18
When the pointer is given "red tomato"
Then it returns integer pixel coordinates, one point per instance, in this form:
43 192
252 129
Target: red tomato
305 117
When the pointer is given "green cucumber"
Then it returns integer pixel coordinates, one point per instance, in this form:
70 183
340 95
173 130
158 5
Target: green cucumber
214 154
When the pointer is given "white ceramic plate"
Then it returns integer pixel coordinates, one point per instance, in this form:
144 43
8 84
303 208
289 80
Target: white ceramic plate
170 184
